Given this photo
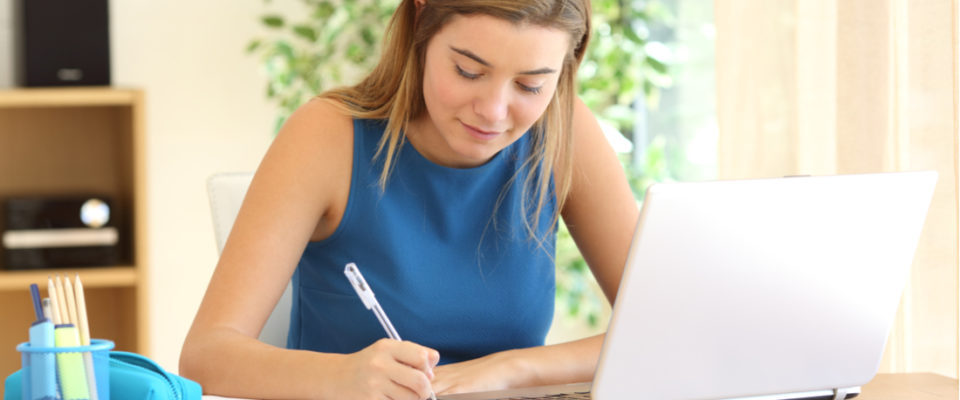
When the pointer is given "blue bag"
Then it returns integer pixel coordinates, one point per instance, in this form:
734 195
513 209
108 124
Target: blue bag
132 377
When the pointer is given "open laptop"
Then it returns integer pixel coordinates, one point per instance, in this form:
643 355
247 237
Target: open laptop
763 289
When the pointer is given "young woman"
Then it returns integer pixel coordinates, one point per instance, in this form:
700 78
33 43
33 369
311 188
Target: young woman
443 175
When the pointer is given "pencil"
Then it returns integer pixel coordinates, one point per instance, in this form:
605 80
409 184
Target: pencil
85 337
82 313
54 303
61 302
71 302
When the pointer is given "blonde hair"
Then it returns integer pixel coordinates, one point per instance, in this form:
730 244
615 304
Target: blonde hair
393 91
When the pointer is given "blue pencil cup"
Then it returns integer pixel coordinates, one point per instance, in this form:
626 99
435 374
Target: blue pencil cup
54 373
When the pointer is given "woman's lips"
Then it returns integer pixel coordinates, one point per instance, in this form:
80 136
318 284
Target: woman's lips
480 133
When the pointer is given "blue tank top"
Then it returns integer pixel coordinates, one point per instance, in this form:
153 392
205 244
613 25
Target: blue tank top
449 272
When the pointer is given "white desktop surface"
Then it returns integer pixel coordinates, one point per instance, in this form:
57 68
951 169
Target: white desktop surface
914 386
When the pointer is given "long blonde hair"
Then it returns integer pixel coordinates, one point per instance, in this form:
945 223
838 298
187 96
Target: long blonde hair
394 90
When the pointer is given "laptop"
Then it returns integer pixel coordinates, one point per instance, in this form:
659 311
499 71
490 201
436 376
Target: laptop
757 289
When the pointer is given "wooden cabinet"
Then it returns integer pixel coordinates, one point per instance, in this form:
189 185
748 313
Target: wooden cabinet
65 141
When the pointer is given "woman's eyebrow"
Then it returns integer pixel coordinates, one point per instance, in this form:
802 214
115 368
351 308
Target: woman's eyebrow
474 57
468 53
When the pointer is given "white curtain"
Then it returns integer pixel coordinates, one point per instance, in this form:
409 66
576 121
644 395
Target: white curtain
852 86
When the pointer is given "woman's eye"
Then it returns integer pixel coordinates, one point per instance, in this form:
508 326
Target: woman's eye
466 74
530 89
472 76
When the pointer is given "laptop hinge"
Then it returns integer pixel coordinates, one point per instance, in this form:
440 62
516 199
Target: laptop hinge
840 394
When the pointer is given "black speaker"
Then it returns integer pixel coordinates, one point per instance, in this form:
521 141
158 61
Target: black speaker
64 43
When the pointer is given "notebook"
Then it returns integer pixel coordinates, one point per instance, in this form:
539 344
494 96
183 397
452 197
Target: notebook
762 289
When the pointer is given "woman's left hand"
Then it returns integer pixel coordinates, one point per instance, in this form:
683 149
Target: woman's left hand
493 372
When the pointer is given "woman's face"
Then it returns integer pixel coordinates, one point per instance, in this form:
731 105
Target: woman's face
485 82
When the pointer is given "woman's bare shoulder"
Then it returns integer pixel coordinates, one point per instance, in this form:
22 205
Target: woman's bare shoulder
315 145
319 119
316 134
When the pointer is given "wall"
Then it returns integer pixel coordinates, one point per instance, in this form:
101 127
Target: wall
206 113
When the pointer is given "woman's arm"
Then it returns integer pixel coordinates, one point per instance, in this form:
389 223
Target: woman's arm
297 195
535 366
601 214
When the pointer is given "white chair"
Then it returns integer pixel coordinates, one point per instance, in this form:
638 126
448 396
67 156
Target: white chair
226 192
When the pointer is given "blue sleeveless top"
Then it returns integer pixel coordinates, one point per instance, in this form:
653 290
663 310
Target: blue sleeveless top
449 272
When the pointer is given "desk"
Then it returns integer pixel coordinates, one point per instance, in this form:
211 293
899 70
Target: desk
882 387
910 386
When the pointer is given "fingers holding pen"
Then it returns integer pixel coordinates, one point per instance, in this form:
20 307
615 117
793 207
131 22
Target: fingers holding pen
418 357
410 383
415 369
392 369
418 361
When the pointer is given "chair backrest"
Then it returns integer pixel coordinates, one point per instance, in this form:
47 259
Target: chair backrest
226 192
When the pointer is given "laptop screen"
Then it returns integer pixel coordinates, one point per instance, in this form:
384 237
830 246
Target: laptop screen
753 287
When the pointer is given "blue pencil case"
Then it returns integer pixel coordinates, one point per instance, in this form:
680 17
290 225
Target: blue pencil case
132 377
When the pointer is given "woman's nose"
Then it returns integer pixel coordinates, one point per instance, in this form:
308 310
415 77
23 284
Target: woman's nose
492 105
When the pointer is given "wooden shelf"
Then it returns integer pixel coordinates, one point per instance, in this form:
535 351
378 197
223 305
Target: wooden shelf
67 97
64 142
98 277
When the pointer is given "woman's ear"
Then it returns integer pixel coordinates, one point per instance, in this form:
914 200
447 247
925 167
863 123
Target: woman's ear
419 5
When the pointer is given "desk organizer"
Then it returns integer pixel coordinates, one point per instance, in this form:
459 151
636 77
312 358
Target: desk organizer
68 366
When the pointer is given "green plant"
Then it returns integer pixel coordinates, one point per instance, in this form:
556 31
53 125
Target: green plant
337 42
620 68
330 43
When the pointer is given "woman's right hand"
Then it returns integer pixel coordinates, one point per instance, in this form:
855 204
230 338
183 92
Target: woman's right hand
387 369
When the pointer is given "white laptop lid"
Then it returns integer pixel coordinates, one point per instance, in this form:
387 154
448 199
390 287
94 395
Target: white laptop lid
758 287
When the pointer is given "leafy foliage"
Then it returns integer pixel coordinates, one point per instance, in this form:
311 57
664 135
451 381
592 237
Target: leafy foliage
622 64
332 43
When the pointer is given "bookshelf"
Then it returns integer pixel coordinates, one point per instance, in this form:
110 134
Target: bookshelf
63 141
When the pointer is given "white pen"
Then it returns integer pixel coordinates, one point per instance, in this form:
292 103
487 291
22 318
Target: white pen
370 301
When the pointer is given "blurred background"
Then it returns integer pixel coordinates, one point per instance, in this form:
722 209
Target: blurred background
685 89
